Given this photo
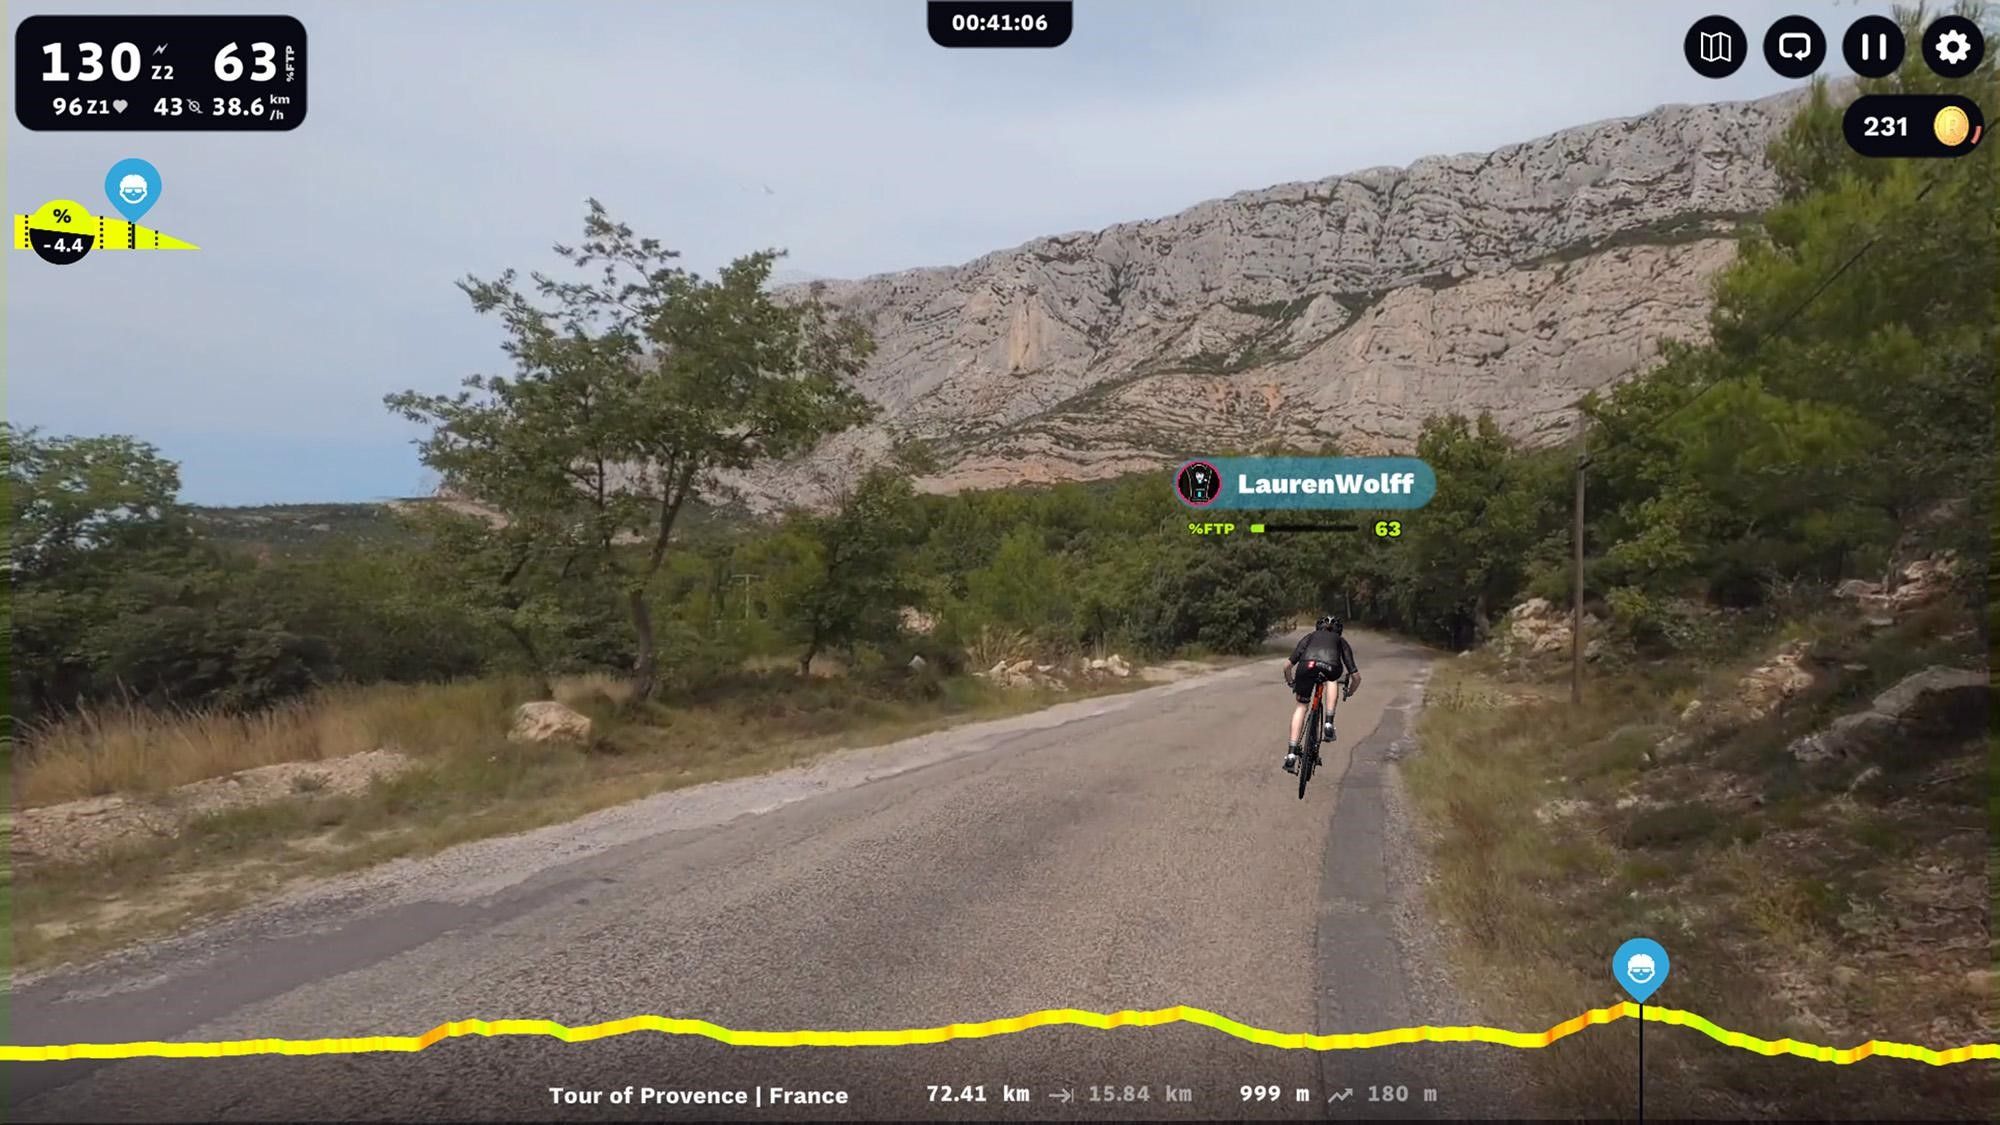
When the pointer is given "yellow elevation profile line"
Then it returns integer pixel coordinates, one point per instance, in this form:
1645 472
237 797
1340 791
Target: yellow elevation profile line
1102 1020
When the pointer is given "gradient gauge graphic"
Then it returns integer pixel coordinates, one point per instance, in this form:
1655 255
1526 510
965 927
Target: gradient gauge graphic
62 231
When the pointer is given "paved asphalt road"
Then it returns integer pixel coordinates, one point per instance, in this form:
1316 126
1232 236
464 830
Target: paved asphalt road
1139 851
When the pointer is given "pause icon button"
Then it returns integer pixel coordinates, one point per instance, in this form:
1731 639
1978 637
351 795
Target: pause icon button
1873 46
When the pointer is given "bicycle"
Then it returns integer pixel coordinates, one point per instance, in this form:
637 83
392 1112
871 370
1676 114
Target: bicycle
1309 751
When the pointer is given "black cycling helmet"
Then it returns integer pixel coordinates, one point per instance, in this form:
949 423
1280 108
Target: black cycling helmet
1328 622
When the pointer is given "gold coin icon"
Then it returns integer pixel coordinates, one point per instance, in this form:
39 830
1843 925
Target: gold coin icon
1951 126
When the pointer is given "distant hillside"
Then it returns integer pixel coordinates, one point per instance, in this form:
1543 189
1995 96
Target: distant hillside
291 529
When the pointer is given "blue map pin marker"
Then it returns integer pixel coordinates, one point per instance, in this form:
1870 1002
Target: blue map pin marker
134 186
1641 966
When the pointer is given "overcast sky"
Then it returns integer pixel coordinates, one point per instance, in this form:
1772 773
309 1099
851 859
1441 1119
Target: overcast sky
452 138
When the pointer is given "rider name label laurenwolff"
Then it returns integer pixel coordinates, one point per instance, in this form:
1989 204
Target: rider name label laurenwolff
1321 482
1346 484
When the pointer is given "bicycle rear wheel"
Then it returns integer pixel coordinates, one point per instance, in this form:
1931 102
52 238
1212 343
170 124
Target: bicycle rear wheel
1310 751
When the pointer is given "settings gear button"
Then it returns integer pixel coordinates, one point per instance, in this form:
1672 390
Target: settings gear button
1953 46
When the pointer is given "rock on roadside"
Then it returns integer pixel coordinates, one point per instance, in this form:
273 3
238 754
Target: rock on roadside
77 830
1936 703
1922 581
1770 684
549 721
1537 627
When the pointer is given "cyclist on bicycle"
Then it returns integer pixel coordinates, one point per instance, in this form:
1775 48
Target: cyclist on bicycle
1322 656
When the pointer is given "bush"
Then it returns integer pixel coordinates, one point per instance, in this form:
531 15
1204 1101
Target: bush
691 660
988 646
187 656
1640 620
1670 826
940 658
1224 601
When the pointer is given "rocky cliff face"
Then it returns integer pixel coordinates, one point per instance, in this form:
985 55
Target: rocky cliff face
1349 308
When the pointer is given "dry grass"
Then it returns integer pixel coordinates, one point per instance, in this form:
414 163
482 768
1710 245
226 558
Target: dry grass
134 750
826 666
994 645
467 780
1791 906
600 687
1778 908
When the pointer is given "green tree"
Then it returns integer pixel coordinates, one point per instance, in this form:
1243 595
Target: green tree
1022 584
77 502
843 578
1110 586
1222 595
95 532
1846 394
631 391
510 579
1466 554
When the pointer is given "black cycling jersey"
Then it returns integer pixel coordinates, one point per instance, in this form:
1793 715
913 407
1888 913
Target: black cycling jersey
1324 646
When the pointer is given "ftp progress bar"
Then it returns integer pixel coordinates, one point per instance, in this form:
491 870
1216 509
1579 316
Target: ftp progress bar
1382 529
1266 528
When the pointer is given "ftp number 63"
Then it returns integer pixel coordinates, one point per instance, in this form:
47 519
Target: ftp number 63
1388 529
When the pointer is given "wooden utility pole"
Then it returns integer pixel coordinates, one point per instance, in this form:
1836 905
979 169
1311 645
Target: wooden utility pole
1576 597
746 579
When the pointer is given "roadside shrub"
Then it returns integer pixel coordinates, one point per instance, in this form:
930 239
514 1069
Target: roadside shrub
988 646
1670 826
939 658
1641 620
1223 601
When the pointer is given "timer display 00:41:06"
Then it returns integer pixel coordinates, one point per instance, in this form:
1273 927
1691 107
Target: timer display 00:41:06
994 23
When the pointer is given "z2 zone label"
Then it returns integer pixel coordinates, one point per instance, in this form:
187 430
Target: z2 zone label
154 73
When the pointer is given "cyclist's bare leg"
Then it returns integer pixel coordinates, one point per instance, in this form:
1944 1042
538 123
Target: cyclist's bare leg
1298 724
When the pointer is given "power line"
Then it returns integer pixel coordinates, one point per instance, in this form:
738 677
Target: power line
1778 326
1583 457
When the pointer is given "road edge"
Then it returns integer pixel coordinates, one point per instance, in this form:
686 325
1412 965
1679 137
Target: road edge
305 904
1411 981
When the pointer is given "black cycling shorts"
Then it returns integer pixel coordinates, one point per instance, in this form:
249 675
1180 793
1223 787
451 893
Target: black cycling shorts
1309 674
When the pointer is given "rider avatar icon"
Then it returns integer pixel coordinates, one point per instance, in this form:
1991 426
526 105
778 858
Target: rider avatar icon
1199 483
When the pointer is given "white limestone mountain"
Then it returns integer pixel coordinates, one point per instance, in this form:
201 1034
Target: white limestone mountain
786 276
1351 307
